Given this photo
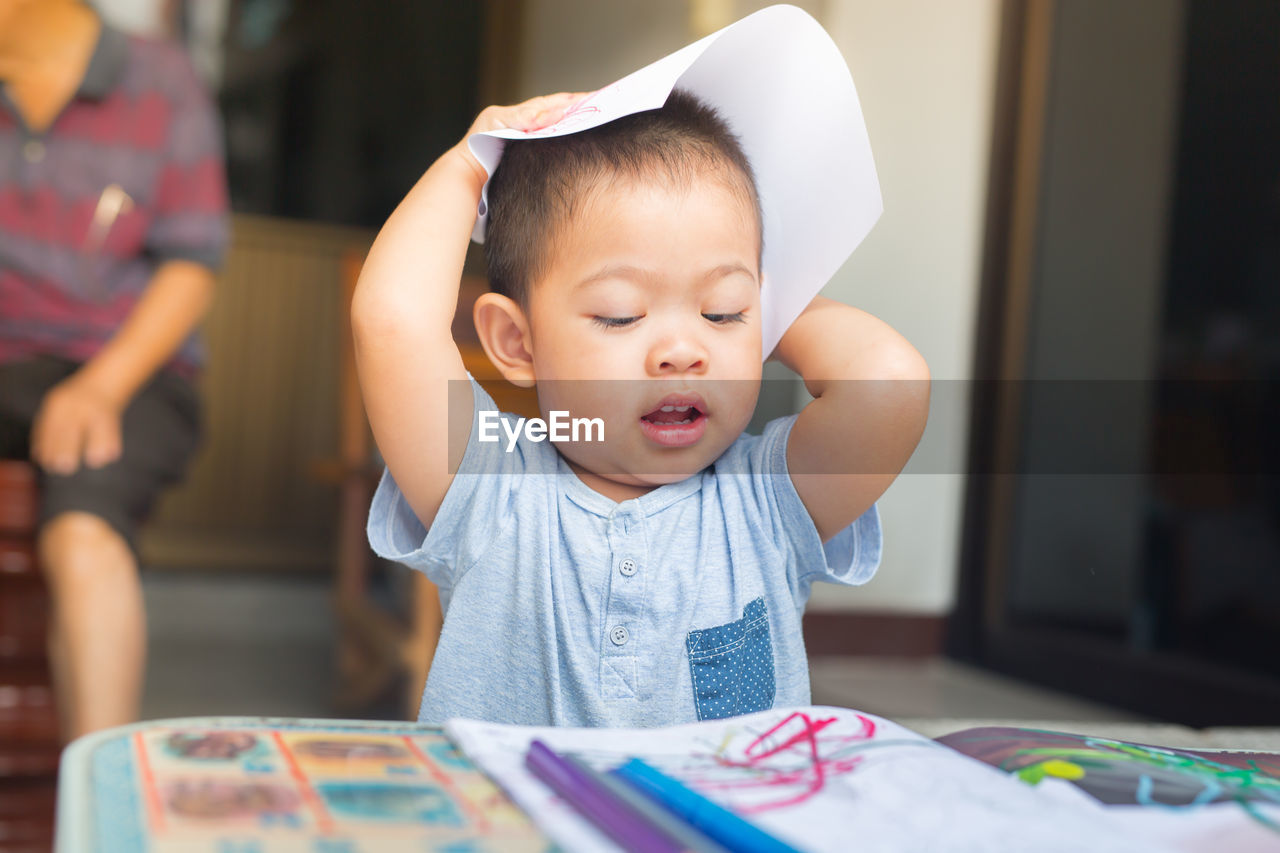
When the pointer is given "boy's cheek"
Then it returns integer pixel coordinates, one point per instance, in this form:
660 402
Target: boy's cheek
589 357
590 398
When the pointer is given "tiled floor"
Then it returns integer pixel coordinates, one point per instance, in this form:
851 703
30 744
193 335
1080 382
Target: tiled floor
264 646
238 645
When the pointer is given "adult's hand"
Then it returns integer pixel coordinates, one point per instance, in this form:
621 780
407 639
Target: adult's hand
79 418
77 422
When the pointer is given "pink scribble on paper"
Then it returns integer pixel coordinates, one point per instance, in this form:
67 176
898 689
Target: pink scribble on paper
793 754
581 113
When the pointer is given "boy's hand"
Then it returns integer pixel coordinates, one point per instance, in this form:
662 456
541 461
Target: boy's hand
533 114
872 401
402 313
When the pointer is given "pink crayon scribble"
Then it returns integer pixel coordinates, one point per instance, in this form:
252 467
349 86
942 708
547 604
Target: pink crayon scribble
583 105
580 113
796 736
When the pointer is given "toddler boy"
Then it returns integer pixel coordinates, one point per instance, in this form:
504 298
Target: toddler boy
657 576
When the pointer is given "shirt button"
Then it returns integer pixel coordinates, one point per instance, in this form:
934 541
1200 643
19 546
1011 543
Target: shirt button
627 567
33 151
618 635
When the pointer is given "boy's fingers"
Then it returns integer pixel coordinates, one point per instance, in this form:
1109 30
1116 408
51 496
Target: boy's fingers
553 108
545 109
533 114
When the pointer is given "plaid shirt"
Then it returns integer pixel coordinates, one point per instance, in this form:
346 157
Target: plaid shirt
128 176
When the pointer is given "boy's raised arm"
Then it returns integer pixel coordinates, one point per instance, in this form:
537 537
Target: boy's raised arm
403 310
872 401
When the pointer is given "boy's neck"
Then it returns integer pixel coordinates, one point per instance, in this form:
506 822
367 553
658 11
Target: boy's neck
614 491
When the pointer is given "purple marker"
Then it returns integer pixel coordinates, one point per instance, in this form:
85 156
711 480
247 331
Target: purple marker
594 803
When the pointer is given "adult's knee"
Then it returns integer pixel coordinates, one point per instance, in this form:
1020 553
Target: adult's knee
79 549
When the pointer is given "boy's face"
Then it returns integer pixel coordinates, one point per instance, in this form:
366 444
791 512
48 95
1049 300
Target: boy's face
651 298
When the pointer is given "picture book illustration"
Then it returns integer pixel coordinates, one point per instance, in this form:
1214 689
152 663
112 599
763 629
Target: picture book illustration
815 778
224 786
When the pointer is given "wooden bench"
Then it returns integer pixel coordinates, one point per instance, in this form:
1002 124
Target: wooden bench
29 741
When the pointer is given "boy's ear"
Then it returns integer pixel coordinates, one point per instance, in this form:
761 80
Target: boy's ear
504 334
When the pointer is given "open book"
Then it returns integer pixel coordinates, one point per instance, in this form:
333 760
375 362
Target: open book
835 779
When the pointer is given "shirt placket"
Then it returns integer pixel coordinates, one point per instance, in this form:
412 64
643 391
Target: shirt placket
30 152
34 170
627 630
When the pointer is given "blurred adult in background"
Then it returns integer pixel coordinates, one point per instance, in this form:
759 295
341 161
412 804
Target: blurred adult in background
112 221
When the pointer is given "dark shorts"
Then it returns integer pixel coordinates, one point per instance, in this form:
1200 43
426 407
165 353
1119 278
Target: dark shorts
160 430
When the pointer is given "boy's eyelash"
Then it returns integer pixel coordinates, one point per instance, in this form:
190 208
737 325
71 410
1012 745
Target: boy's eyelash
621 322
614 322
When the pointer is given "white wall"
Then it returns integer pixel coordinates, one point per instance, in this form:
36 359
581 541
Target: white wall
925 72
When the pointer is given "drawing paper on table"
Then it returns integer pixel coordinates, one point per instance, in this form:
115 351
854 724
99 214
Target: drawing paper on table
813 776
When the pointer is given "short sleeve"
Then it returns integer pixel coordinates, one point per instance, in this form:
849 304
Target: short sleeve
850 557
472 514
190 219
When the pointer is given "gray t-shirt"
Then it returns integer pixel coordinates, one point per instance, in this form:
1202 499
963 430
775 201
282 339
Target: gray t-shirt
564 607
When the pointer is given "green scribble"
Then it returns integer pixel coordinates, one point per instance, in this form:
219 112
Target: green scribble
1247 787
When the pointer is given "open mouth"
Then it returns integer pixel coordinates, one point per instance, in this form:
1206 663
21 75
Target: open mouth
677 421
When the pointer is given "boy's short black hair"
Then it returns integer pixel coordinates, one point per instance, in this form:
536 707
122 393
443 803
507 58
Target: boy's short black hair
539 184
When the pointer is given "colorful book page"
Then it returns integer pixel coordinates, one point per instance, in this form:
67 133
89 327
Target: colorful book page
818 778
248 787
1197 799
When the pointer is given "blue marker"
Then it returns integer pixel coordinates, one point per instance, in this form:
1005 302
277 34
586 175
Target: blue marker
716 822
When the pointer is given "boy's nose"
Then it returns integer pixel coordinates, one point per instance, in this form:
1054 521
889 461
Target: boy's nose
678 355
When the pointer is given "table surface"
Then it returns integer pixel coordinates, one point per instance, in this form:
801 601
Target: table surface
253 785
259 785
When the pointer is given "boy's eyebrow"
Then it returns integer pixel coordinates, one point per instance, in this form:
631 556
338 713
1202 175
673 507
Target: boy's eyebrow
634 273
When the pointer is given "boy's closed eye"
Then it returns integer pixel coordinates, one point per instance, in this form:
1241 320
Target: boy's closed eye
615 322
621 322
725 319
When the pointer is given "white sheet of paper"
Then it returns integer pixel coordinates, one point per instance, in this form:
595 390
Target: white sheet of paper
836 780
783 86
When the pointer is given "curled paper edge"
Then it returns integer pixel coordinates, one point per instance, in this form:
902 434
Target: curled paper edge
783 86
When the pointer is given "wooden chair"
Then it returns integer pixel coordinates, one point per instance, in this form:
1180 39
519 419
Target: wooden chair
375 648
29 740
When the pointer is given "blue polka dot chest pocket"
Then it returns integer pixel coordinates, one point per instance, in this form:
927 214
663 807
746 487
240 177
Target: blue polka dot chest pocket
732 665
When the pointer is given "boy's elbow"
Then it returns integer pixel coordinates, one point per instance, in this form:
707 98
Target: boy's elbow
901 364
888 385
904 362
903 371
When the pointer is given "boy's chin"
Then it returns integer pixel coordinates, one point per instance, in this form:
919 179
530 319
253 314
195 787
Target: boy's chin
668 466
645 473
665 478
